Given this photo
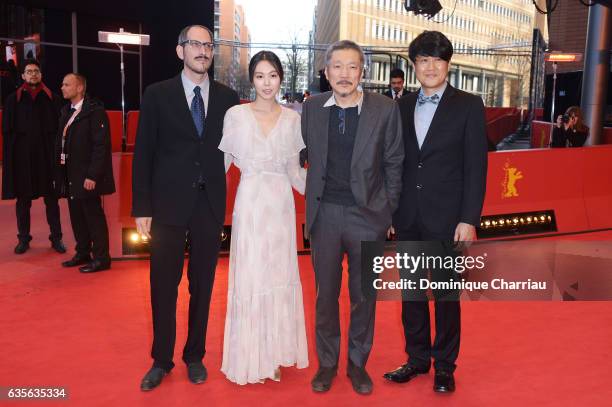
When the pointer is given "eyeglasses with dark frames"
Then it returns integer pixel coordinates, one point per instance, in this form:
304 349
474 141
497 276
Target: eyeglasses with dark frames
209 46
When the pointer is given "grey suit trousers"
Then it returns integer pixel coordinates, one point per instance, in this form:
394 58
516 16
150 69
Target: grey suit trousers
339 230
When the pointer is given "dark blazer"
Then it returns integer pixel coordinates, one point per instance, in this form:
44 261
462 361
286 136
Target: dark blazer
169 156
444 182
88 145
376 163
389 93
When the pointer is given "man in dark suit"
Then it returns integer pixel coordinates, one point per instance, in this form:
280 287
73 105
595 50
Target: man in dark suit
444 184
84 172
179 190
396 85
29 127
355 153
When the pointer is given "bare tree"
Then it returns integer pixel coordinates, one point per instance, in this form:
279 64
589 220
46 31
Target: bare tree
296 65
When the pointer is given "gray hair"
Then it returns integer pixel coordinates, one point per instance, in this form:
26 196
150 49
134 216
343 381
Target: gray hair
183 34
344 44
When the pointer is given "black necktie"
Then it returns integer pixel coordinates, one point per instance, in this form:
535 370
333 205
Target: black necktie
198 111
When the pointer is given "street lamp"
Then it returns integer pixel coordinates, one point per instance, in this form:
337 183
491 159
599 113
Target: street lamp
555 58
122 38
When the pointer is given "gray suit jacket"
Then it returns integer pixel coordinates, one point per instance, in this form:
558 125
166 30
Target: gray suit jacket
377 160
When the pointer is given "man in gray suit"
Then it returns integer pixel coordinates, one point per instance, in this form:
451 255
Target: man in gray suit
355 153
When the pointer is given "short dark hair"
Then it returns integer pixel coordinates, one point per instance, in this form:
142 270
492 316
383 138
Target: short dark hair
30 62
431 44
269 56
397 73
185 31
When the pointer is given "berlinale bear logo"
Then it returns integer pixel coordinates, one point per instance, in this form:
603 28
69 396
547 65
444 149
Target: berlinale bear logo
511 176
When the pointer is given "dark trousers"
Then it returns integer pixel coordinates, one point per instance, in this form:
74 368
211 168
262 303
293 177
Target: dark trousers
167 256
89 227
338 230
415 318
22 209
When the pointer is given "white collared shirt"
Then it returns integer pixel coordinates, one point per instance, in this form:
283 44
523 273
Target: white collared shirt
188 86
332 101
76 112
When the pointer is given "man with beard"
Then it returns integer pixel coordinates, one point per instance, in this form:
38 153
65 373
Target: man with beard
29 126
178 190
396 85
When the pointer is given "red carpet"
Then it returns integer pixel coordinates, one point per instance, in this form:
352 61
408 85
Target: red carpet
92 335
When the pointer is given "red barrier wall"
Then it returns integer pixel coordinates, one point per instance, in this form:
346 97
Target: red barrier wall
540 134
132 128
114 118
502 126
574 182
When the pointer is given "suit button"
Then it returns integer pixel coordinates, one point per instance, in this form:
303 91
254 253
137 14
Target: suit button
318 198
420 165
197 163
201 143
71 197
419 186
69 183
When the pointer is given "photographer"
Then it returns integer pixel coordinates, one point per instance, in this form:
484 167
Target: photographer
570 130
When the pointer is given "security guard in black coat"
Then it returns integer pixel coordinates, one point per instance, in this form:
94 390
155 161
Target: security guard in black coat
85 173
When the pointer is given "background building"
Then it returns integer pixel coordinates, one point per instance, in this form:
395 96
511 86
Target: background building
487 36
232 63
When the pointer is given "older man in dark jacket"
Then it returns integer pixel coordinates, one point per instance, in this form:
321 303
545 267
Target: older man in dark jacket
85 173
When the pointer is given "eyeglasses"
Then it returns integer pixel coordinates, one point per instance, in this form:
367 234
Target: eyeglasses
32 72
209 46
342 124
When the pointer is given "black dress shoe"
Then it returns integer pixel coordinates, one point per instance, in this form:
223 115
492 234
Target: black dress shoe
94 266
360 379
404 373
152 379
77 260
197 372
322 380
22 247
58 246
444 382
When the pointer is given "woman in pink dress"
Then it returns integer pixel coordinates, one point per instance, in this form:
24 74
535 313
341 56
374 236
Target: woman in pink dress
264 325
